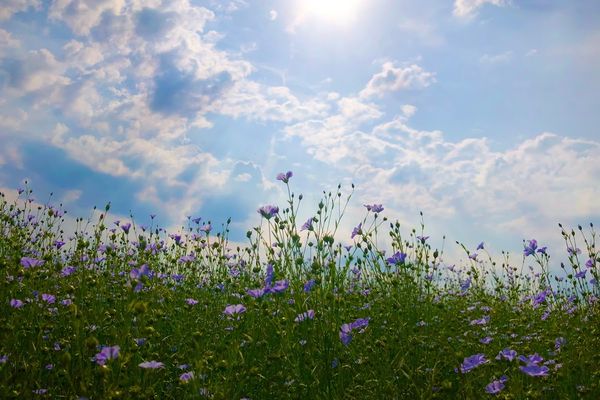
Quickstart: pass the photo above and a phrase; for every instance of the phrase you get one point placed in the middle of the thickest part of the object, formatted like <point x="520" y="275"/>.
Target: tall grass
<point x="126" y="311"/>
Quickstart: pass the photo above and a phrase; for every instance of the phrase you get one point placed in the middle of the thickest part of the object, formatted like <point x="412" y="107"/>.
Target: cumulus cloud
<point x="10" y="7"/>
<point x="393" y="78"/>
<point x="272" y="15"/>
<point x="469" y="8"/>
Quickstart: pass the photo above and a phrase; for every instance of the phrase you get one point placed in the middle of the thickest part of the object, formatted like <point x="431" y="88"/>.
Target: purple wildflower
<point x="346" y="334"/>
<point x="482" y="321"/>
<point x="559" y="342"/>
<point x="542" y="250"/>
<point x="107" y="353"/>
<point x="191" y="302"/>
<point x="397" y="258"/>
<point x="176" y="237"/>
<point x="589" y="263"/>
<point x="285" y="177"/>
<point x="310" y="314"/>
<point x="278" y="287"/>
<point x="136" y="273"/>
<point x="186" y="376"/>
<point x="58" y="244"/>
<point x="480" y="246"/>
<point x="486" y="340"/>
<point x="581" y="274"/>
<point x="473" y="256"/>
<point x="573" y="251"/>
<point x="16" y="303"/>
<point x="530" y="247"/>
<point x="234" y="309"/>
<point x="534" y="370"/>
<point x="66" y="271"/>
<point x="356" y="231"/>
<point x="495" y="387"/>
<point x="472" y="362"/>
<point x="3" y="359"/>
<point x="126" y="227"/>
<point x="48" y="298"/>
<point x="376" y="208"/>
<point x="206" y="228"/>
<point x="309" y="285"/>
<point x="187" y="258"/>
<point x="256" y="293"/>
<point x="268" y="211"/>
<point x="29" y="262"/>
<point x="532" y="359"/>
<point x="360" y="323"/>
<point x="151" y="365"/>
<point x="465" y="285"/>
<point x="308" y="225"/>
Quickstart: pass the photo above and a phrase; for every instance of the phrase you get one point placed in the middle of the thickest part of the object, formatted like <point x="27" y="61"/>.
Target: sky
<point x="482" y="114"/>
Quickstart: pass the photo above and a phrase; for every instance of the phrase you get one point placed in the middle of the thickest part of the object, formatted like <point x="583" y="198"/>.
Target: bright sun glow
<point x="337" y="11"/>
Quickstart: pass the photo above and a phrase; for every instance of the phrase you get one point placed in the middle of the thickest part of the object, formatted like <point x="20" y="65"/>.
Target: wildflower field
<point x="125" y="311"/>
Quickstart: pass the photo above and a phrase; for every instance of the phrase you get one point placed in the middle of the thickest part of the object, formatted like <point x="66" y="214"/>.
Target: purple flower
<point x="16" y="303"/>
<point x="533" y="359"/>
<point x="186" y="376"/>
<point x="581" y="274"/>
<point x="376" y="208"/>
<point x="28" y="262"/>
<point x="151" y="365"/>
<point x="573" y="251"/>
<point x="309" y="285"/>
<point x="589" y="263"/>
<point x="534" y="370"/>
<point x="540" y="298"/>
<point x="346" y="334"/>
<point x="530" y="247"/>
<point x="40" y="391"/>
<point x="495" y="387"/>
<point x="176" y="237"/>
<point x="486" y="340"/>
<point x="278" y="287"/>
<point x="559" y="342"/>
<point x="397" y="258"/>
<point x="473" y="256"/>
<point x="191" y="302"/>
<point x="187" y="258"/>
<point x="422" y="239"/>
<point x="356" y="231"/>
<point x="256" y="293"/>
<point x="268" y="211"/>
<point x="66" y="271"/>
<point x="58" y="244"/>
<point x="107" y="353"/>
<point x="308" y="225"/>
<point x="206" y="228"/>
<point x="48" y="298"/>
<point x="3" y="359"/>
<point x="482" y="321"/>
<point x="360" y="323"/>
<point x="126" y="227"/>
<point x="465" y="285"/>
<point x="310" y="314"/>
<point x="472" y="362"/>
<point x="542" y="250"/>
<point x="507" y="354"/>
<point x="480" y="246"/>
<point x="234" y="309"/>
<point x="136" y="273"/>
<point x="284" y="177"/>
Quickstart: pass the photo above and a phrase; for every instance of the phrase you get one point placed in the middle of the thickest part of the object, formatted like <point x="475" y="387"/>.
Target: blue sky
<point x="483" y="114"/>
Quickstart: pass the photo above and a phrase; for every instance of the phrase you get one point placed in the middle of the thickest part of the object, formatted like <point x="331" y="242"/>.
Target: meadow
<point x="126" y="311"/>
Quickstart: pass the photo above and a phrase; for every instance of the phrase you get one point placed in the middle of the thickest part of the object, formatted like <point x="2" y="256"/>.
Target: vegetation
<point x="126" y="311"/>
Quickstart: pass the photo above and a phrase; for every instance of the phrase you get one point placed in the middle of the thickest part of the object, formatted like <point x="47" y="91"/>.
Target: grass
<point x="383" y="327"/>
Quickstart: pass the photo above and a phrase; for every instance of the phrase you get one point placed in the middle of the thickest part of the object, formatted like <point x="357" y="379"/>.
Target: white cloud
<point x="408" y="110"/>
<point x="83" y="15"/>
<point x="469" y="8"/>
<point x="394" y="78"/>
<point x="7" y="40"/>
<point x="501" y="58"/>
<point x="10" y="7"/>
<point x="272" y="15"/>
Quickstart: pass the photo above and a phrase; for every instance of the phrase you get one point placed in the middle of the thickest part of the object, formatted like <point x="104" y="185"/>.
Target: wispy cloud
<point x="469" y="8"/>
<point x="491" y="59"/>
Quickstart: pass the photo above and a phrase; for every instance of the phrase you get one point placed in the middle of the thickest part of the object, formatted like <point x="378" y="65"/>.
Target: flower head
<point x="507" y="354"/>
<point x="126" y="227"/>
<point x="234" y="309"/>
<point x="309" y="285"/>
<point x="376" y="208"/>
<point x="186" y="377"/>
<point x="151" y="365"/>
<point x="534" y="370"/>
<point x="16" y="303"/>
<point x="472" y="362"/>
<point x="397" y="258"/>
<point x="191" y="302"/>
<point x="310" y="314"/>
<point x="48" y="298"/>
<point x="285" y="177"/>
<point x="107" y="353"/>
<point x="268" y="211"/>
<point x="29" y="262"/>
<point x="496" y="386"/>
<point x="308" y="225"/>
<point x="480" y="246"/>
<point x="530" y="247"/>
<point x="356" y="231"/>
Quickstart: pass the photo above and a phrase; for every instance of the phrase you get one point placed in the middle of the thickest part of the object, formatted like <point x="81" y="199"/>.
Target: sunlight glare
<point x="337" y="11"/>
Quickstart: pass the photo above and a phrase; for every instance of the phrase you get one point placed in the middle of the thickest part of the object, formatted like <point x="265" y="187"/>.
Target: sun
<point x="335" y="11"/>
